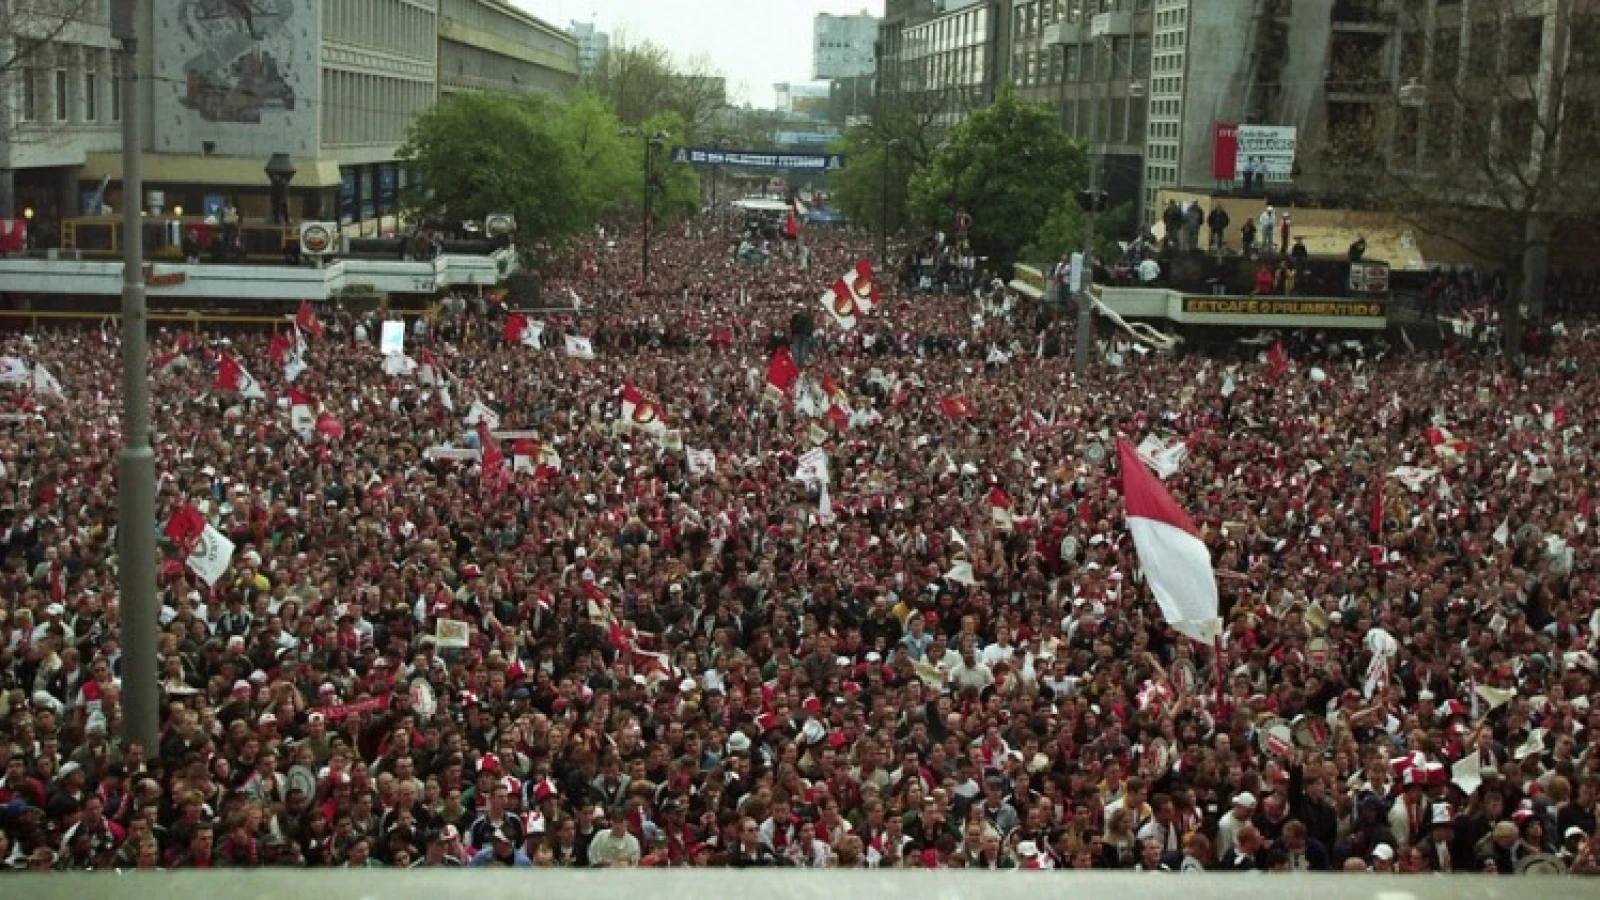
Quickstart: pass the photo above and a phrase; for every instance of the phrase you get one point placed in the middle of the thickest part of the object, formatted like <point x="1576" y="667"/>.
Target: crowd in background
<point x="948" y="661"/>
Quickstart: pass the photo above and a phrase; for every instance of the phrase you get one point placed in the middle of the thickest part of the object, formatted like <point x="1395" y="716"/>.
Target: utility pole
<point x="136" y="464"/>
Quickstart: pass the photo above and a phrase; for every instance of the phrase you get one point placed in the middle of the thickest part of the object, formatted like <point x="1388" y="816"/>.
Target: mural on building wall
<point x="231" y="67"/>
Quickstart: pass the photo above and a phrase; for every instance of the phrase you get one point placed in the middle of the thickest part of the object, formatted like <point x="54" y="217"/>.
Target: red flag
<point x="232" y="378"/>
<point x="516" y="324"/>
<point x="305" y="319"/>
<point x="782" y="372"/>
<point x="185" y="527"/>
<point x="329" y="426"/>
<point x="278" y="348"/>
<point x="956" y="407"/>
<point x="791" y="226"/>
<point x="998" y="498"/>
<point x="1277" y="361"/>
<point x="494" y="460"/>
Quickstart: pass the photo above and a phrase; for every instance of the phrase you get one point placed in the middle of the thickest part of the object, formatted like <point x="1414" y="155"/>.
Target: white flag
<point x="398" y="364"/>
<point x="303" y="419"/>
<point x="1228" y="384"/>
<point x="577" y="304"/>
<point x="997" y="356"/>
<point x="480" y="412"/>
<point x="961" y="573"/>
<point x="1413" y="477"/>
<point x="1162" y="458"/>
<point x="579" y="347"/>
<point x="701" y="462"/>
<point x="46" y="384"/>
<point x="13" y="370"/>
<point x="813" y="467"/>
<point x="444" y="395"/>
<point x="211" y="555"/>
<point x="825" y="507"/>
<point x="533" y="335"/>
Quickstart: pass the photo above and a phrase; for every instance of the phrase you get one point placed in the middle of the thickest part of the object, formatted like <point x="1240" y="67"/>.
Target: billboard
<point x="242" y="75"/>
<point x="1233" y="147"/>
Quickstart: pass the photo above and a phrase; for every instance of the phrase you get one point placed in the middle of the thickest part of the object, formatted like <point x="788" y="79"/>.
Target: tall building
<point x="843" y="46"/>
<point x="592" y="44"/>
<point x="334" y="85"/>
<point x="947" y="62"/>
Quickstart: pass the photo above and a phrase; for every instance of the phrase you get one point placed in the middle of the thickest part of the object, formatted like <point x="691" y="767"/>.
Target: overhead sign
<point x="1279" y="312"/>
<point x="1270" y="147"/>
<point x="756" y="159"/>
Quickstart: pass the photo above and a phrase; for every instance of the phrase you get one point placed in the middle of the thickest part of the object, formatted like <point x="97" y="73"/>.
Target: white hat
<point x="55" y="609"/>
<point x="738" y="742"/>
<point x="1028" y="849"/>
<point x="1245" y="799"/>
<point x="1443" y="814"/>
<point x="1383" y="852"/>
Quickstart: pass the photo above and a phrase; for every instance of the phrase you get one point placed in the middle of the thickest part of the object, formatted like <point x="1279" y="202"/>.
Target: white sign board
<point x="1272" y="146"/>
<point x="393" y="338"/>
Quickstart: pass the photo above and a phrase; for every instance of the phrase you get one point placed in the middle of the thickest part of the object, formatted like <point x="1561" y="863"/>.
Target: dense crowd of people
<point x="641" y="640"/>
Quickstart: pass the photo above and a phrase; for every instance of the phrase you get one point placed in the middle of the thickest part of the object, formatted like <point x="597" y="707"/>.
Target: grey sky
<point x="755" y="43"/>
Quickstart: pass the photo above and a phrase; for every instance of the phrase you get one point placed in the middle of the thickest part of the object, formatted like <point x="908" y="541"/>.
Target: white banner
<point x="393" y="338"/>
<point x="1271" y="147"/>
<point x="211" y="554"/>
<point x="304" y="421"/>
<point x="533" y="334"/>
<point x="1163" y="458"/>
<point x="13" y="370"/>
<point x="398" y="364"/>
<point x="702" y="462"/>
<point x="455" y="454"/>
<point x="452" y="634"/>
<point x="46" y="384"/>
<point x="579" y="347"/>
<point x="480" y="412"/>
<point x="813" y="467"/>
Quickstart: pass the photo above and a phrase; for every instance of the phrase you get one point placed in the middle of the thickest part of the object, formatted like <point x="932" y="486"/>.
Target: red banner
<point x="345" y="710"/>
<point x="13" y="235"/>
<point x="1224" y="150"/>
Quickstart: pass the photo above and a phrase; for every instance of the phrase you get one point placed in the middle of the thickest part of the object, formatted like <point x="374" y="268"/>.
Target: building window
<point x="29" y="88"/>
<point x="91" y="90"/>
<point x="63" y="98"/>
<point x="116" y="98"/>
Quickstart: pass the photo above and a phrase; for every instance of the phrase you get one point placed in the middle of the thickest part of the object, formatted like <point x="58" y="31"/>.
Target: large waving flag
<point x="864" y="286"/>
<point x="1176" y="563"/>
<point x="840" y="302"/>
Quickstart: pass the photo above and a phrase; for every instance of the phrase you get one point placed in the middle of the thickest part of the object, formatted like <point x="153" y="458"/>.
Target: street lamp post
<point x="1089" y="202"/>
<point x="136" y="467"/>
<point x="652" y="143"/>
<point x="889" y="150"/>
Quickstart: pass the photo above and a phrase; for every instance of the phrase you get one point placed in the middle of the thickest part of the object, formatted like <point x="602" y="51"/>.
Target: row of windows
<point x="1166" y="108"/>
<point x="67" y="96"/>
<point x="1167" y="84"/>
<point x="1166" y="130"/>
<point x="1170" y="40"/>
<point x="394" y="26"/>
<point x="369" y="109"/>
<point x="1172" y="18"/>
<point x="967" y="29"/>
<point x="500" y="19"/>
<point x="1168" y="62"/>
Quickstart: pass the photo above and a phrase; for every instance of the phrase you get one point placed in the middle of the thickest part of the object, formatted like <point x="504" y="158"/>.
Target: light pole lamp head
<point x="280" y="168"/>
<point x="1413" y="94"/>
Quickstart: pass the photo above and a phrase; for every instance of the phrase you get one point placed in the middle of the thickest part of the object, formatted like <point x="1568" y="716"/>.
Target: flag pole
<point x="1216" y="646"/>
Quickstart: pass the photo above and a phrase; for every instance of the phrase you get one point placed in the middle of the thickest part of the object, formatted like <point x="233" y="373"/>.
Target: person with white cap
<point x="1435" y="847"/>
<point x="1382" y="860"/>
<point x="1229" y="824"/>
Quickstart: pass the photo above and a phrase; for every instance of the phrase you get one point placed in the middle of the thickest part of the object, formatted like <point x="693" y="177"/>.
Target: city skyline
<point x="774" y="38"/>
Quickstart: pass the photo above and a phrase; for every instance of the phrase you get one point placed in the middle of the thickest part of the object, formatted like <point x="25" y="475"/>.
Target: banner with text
<point x="756" y="159"/>
<point x="1271" y="147"/>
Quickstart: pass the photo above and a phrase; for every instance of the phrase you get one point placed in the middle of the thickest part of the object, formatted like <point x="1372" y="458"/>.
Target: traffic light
<point x="1092" y="201"/>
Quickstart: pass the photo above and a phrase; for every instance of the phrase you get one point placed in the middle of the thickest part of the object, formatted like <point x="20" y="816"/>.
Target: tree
<point x="485" y="153"/>
<point x="1008" y="166"/>
<point x="638" y="81"/>
<point x="883" y="154"/>
<point x="1061" y="234"/>
<point x="611" y="165"/>
<point x="1491" y="138"/>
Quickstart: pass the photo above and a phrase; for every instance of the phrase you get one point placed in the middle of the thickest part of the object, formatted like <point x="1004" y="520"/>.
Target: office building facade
<point x="843" y="46"/>
<point x="592" y="45"/>
<point x="332" y="84"/>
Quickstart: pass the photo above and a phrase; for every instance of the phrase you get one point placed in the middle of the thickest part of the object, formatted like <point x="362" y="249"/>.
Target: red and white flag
<point x="1000" y="509"/>
<point x="303" y="410"/>
<point x="305" y="319"/>
<point x="233" y="378"/>
<point x="185" y="527"/>
<point x="839" y="410"/>
<point x="1443" y="442"/>
<point x="1277" y="361"/>
<point x="840" y="302"/>
<point x="864" y="287"/>
<point x="1176" y="563"/>
<point x="782" y="373"/>
<point x="45" y="384"/>
<point x="642" y="412"/>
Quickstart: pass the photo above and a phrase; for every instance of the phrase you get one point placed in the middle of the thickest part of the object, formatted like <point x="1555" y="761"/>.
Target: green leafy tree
<point x="1008" y="166"/>
<point x="641" y="80"/>
<point x="610" y="164"/>
<point x="677" y="186"/>
<point x="1061" y="233"/>
<point x="884" y="154"/>
<point x="484" y="153"/>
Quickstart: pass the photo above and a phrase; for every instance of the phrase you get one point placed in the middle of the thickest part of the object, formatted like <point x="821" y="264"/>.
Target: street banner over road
<point x="758" y="159"/>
